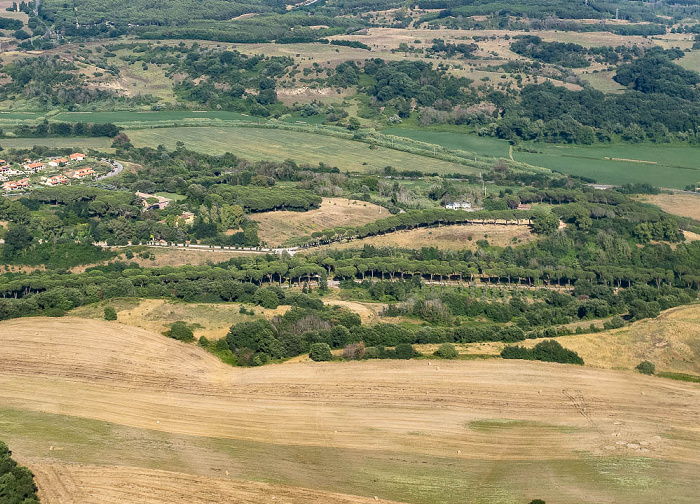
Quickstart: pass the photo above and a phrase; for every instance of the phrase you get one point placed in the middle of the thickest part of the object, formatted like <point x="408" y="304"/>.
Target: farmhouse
<point x="458" y="205"/>
<point x="34" y="167"/>
<point x="186" y="218"/>
<point x="524" y="206"/>
<point x="56" y="180"/>
<point x="160" y="204"/>
<point x="83" y="173"/>
<point x="77" y="156"/>
<point x="16" y="185"/>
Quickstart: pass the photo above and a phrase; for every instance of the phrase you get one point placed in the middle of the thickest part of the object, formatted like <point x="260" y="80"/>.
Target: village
<point x="54" y="171"/>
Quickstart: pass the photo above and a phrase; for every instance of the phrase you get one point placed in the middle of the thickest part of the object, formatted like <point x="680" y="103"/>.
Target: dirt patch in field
<point x="88" y="484"/>
<point x="306" y="94"/>
<point x="277" y="227"/>
<point x="448" y="237"/>
<point x="368" y="312"/>
<point x="685" y="205"/>
<point x="212" y="320"/>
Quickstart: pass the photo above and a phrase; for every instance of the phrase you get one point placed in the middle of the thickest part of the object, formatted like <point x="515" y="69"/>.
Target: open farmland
<point x="280" y="145"/>
<point x="447" y="237"/>
<point x="112" y="395"/>
<point x="685" y="205"/>
<point x="278" y="227"/>
<point x="662" y="166"/>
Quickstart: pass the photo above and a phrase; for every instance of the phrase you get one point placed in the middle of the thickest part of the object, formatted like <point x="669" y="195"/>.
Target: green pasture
<point x="483" y="146"/>
<point x="302" y="147"/>
<point x="673" y="166"/>
<point x="402" y="476"/>
<point x="77" y="143"/>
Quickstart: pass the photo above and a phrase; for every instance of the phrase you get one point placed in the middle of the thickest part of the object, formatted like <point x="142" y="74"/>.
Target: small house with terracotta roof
<point x="77" y="156"/>
<point x="34" y="167"/>
<point x="56" y="180"/>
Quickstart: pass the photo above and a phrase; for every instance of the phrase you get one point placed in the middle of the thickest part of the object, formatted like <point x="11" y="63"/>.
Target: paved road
<point x="117" y="168"/>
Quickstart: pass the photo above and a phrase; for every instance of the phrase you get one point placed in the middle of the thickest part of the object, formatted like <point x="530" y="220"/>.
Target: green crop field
<point x="664" y="166"/>
<point x="279" y="145"/>
<point x="484" y="146"/>
<point x="127" y="117"/>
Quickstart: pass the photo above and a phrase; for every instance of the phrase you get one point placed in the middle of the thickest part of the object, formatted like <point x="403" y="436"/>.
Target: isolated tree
<point x="404" y="351"/>
<point x="446" y="351"/>
<point x="180" y="331"/>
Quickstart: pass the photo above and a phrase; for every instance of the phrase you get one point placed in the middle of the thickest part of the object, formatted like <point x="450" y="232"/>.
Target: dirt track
<point x="459" y="412"/>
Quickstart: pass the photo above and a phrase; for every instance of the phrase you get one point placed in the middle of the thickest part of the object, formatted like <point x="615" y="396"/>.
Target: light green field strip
<point x="280" y="145"/>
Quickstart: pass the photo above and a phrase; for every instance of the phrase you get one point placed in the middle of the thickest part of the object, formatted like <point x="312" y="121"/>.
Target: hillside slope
<point x="76" y="391"/>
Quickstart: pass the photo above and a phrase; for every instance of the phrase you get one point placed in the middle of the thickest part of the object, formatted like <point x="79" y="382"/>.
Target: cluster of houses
<point x="31" y="167"/>
<point x="467" y="206"/>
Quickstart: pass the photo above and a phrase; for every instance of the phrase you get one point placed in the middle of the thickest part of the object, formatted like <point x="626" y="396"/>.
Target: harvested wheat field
<point x="78" y="393"/>
<point x="685" y="205"/>
<point x="448" y="237"/>
<point x="671" y="341"/>
<point x="278" y="227"/>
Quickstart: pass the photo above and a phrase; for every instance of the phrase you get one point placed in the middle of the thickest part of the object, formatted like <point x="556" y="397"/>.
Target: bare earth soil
<point x="126" y="404"/>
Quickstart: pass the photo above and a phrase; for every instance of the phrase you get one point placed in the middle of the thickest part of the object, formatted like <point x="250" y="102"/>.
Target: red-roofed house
<point x="77" y="156"/>
<point x="16" y="185"/>
<point x="34" y="167"/>
<point x="56" y="180"/>
<point x="58" y="162"/>
<point x="83" y="172"/>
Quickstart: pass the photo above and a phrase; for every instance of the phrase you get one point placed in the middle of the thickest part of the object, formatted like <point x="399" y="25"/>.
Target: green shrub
<point x="267" y="298"/>
<point x="179" y="331"/>
<point x="614" y="323"/>
<point x="547" y="351"/>
<point x="320" y="352"/>
<point x="372" y="353"/>
<point x="55" y="312"/>
<point x="204" y="342"/>
<point x="110" y="313"/>
<point x="404" y="351"/>
<point x="446" y="351"/>
<point x="646" y="367"/>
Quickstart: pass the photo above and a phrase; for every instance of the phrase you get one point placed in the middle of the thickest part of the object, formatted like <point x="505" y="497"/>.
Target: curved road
<point x="117" y="168"/>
